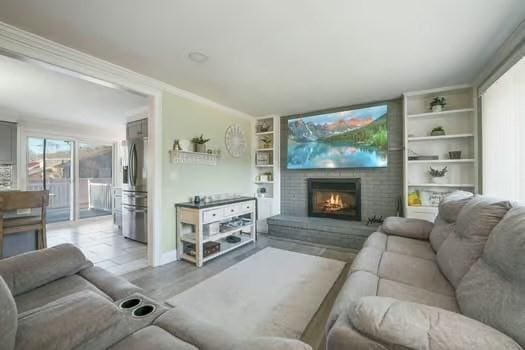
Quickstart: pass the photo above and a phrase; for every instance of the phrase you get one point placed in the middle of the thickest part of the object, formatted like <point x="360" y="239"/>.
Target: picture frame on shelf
<point x="263" y="158"/>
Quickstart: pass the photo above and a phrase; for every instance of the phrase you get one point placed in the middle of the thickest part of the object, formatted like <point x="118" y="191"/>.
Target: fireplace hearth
<point x="335" y="198"/>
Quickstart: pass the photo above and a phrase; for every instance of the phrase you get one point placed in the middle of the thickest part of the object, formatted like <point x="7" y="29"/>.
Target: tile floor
<point x="101" y="243"/>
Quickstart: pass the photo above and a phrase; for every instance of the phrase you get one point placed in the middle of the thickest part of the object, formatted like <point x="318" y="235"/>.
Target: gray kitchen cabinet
<point x="137" y="128"/>
<point x="144" y="126"/>
<point x="7" y="143"/>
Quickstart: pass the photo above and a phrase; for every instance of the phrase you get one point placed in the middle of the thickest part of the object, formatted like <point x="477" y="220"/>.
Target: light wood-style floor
<point x="107" y="248"/>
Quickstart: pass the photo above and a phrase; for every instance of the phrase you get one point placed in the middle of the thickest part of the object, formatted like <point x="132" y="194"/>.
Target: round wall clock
<point x="235" y="141"/>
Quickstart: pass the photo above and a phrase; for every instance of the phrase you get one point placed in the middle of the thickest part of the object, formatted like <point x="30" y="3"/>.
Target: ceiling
<point x="29" y="91"/>
<point x="282" y="57"/>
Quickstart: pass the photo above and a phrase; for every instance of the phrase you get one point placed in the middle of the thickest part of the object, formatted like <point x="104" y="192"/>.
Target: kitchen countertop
<point x="204" y="205"/>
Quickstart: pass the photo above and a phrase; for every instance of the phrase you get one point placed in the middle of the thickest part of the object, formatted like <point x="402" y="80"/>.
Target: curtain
<point x="503" y="135"/>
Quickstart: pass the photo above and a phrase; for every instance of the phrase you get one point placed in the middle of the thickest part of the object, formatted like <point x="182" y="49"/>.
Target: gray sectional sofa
<point x="56" y="299"/>
<point x="458" y="283"/>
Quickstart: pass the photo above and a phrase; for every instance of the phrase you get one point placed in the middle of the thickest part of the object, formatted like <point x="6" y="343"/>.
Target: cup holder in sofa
<point x="143" y="310"/>
<point x="130" y="303"/>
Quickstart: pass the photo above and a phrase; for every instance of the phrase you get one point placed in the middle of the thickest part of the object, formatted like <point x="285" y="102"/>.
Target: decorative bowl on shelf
<point x="439" y="179"/>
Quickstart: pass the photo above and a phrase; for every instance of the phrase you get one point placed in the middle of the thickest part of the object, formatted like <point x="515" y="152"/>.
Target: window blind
<point x="503" y="135"/>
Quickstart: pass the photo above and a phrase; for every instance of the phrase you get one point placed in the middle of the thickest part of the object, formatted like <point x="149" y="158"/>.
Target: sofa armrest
<point x="397" y="323"/>
<point x="28" y="271"/>
<point x="206" y="336"/>
<point x="112" y="285"/>
<point x="407" y="227"/>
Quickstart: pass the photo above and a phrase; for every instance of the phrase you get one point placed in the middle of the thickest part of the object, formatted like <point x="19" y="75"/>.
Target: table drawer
<point x="212" y="215"/>
<point x="246" y="207"/>
<point x="232" y="210"/>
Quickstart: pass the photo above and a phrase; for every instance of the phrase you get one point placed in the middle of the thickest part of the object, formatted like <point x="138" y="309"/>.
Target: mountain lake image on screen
<point x="355" y="138"/>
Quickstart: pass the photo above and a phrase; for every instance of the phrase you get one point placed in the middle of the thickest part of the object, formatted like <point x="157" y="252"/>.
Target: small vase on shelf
<point x="200" y="147"/>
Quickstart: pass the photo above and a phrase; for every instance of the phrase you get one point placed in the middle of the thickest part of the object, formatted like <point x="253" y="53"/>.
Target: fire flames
<point x="334" y="203"/>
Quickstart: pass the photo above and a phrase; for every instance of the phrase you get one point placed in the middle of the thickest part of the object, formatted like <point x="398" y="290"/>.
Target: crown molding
<point x="509" y="53"/>
<point x="21" y="44"/>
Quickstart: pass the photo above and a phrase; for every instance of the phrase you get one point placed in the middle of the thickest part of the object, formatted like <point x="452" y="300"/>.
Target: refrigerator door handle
<point x="133" y="164"/>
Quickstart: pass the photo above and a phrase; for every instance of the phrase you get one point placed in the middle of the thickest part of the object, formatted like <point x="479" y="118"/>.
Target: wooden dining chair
<point x="15" y="200"/>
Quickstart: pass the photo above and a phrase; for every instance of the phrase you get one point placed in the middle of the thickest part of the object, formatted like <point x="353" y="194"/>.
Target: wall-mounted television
<point x="356" y="138"/>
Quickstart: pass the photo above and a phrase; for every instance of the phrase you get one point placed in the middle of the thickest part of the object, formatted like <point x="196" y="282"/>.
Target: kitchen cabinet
<point x="137" y="128"/>
<point x="8" y="133"/>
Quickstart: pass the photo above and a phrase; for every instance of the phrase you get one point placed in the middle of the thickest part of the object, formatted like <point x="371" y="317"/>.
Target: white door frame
<point x="26" y="46"/>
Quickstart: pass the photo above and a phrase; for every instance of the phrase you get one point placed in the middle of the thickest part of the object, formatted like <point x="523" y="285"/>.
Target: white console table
<point x="193" y="219"/>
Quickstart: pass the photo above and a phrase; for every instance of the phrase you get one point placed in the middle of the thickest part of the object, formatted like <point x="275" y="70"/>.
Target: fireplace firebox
<point x="335" y="198"/>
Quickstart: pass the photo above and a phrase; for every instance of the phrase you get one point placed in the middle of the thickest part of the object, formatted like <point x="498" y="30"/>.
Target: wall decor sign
<point x="235" y="141"/>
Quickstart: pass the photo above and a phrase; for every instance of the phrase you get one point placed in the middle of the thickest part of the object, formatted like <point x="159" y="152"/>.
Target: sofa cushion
<point x="445" y="222"/>
<point x="416" y="272"/>
<point x="464" y="246"/>
<point x="67" y="323"/>
<point x="442" y="229"/>
<point x="402" y="291"/>
<point x="410" y="247"/>
<point x="401" y="245"/>
<point x="493" y="291"/>
<point x="376" y="240"/>
<point x="359" y="284"/>
<point x="53" y="291"/>
<point x="31" y="270"/>
<point x="152" y="337"/>
<point x="452" y="204"/>
<point x="367" y="259"/>
<point x="8" y="317"/>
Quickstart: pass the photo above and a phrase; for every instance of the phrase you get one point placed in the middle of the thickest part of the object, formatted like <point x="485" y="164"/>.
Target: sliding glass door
<point x="95" y="164"/>
<point x="50" y="167"/>
<point x="61" y="166"/>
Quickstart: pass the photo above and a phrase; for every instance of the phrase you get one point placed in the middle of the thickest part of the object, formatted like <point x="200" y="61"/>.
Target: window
<point x="503" y="130"/>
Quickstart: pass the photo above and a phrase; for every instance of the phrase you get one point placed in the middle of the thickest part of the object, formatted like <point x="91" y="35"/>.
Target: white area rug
<point x="272" y="293"/>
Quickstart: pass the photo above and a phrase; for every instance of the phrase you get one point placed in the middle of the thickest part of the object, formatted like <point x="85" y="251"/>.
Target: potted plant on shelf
<point x="438" y="176"/>
<point x="437" y="131"/>
<point x="199" y="143"/>
<point x="438" y="103"/>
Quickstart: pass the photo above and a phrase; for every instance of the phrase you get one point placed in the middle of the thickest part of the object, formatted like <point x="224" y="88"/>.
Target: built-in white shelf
<point x="459" y="120"/>
<point x="442" y="113"/>
<point x="267" y="192"/>
<point x="442" y="161"/>
<point x="441" y="185"/>
<point x="442" y="137"/>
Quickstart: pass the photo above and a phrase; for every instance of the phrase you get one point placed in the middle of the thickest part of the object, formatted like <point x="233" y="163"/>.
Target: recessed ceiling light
<point x="198" y="57"/>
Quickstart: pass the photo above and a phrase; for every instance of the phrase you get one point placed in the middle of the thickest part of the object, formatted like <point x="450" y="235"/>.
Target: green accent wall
<point x="184" y="119"/>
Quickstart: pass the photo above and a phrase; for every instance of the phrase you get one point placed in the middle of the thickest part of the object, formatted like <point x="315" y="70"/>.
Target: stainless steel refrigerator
<point x="135" y="187"/>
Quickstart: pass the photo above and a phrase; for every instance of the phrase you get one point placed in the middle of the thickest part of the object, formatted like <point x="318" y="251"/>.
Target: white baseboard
<point x="168" y="257"/>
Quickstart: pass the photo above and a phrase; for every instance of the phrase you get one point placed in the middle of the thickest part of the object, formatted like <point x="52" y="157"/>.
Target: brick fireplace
<point x="337" y="198"/>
